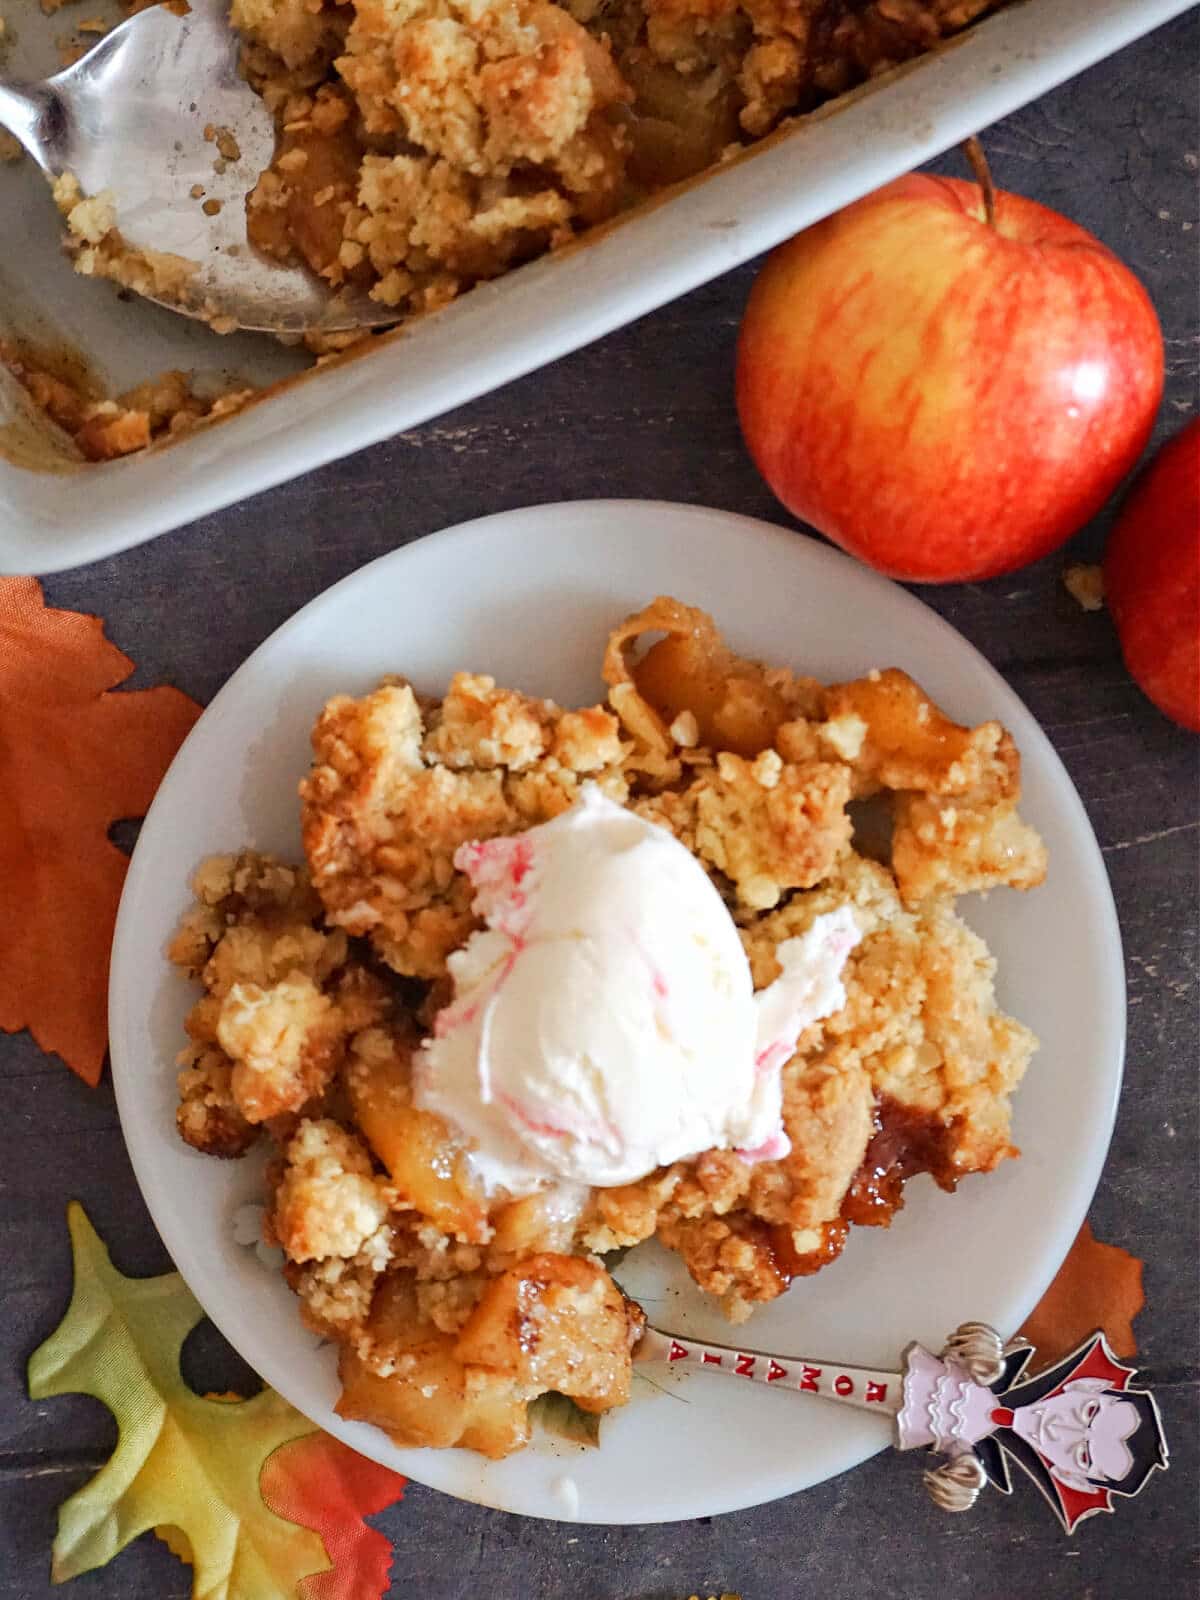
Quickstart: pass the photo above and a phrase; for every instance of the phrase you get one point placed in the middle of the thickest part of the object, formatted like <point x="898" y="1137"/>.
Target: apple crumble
<point x="427" y="144"/>
<point x="329" y="988"/>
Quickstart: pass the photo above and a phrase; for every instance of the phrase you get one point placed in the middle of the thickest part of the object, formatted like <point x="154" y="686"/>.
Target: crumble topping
<point x="390" y="799"/>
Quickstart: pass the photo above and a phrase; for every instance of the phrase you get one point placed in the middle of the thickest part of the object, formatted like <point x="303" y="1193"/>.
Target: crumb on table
<point x="1085" y="584"/>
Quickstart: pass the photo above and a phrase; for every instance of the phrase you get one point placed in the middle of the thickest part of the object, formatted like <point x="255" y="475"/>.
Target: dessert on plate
<point x="685" y="964"/>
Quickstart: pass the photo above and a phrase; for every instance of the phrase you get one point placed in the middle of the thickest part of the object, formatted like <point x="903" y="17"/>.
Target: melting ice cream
<point x="604" y="1021"/>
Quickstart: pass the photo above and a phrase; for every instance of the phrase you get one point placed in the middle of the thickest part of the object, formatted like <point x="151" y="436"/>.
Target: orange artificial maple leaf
<point x="1098" y="1286"/>
<point x="322" y="1484"/>
<point x="74" y="759"/>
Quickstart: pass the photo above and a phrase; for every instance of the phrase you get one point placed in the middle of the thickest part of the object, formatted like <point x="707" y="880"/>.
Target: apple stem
<point x="977" y="161"/>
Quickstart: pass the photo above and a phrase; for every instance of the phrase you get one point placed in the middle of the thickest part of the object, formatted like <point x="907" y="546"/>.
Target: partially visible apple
<point x="945" y="396"/>
<point x="1152" y="579"/>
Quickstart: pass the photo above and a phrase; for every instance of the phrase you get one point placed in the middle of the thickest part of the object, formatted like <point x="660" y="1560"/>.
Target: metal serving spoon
<point x="130" y="117"/>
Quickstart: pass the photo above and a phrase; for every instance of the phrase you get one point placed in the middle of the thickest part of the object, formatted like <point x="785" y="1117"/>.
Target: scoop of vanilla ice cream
<point x="604" y="1022"/>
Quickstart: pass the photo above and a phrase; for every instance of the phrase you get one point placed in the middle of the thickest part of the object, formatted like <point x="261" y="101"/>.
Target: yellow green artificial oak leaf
<point x="186" y="1466"/>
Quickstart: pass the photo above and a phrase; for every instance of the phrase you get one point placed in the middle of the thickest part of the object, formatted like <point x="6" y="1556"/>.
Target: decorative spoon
<point x="130" y="118"/>
<point x="1079" y="1429"/>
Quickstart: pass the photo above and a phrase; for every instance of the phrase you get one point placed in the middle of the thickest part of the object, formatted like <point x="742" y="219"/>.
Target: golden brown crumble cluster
<point x="105" y="426"/>
<point x="428" y="144"/>
<point x="394" y="792"/>
<point x="453" y="1310"/>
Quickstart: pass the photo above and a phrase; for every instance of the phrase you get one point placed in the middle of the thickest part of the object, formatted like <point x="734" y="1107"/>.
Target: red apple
<point x="1152" y="579"/>
<point x="944" y="396"/>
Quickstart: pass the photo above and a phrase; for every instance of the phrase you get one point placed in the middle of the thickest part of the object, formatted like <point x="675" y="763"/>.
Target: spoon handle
<point x="33" y="114"/>
<point x="1081" y="1429"/>
<point x="864" y="1387"/>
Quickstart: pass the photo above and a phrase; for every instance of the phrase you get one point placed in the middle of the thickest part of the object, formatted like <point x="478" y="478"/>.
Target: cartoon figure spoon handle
<point x="1079" y="1429"/>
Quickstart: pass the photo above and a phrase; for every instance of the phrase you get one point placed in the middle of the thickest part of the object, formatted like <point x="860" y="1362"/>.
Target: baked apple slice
<point x="427" y="1168"/>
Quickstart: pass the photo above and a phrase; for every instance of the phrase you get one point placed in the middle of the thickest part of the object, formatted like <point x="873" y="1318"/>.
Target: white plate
<point x="529" y="596"/>
<point x="50" y="520"/>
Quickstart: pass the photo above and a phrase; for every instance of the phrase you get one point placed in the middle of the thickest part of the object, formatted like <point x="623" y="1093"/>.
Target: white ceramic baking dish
<point x="55" y="513"/>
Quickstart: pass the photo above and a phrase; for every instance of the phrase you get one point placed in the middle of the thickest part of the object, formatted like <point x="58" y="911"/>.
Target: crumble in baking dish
<point x="426" y="145"/>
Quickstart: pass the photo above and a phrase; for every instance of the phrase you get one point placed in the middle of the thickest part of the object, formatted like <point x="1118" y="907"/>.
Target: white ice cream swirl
<point x="604" y="1022"/>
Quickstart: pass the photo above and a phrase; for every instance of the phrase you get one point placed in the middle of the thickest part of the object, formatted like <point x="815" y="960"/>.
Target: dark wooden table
<point x="648" y="412"/>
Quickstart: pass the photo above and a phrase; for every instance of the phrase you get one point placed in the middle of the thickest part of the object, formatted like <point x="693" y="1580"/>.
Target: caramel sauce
<point x="787" y="1260"/>
<point x="905" y="1142"/>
